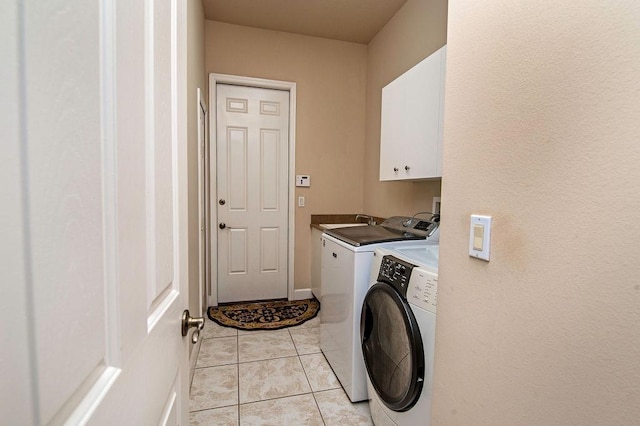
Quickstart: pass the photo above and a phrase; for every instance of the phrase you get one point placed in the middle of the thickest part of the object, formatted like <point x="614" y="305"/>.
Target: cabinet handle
<point x="407" y="168"/>
<point x="335" y="255"/>
<point x="395" y="169"/>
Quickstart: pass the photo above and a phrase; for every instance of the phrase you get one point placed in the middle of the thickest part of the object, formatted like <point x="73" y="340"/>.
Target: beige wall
<point x="541" y="132"/>
<point x="330" y="77"/>
<point x="416" y="31"/>
<point x="195" y="80"/>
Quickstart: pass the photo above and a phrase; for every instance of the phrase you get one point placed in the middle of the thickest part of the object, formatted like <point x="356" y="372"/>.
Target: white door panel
<point x="103" y="213"/>
<point x="252" y="168"/>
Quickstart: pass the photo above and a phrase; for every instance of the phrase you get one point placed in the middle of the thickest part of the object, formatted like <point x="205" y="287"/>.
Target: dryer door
<point x="392" y="347"/>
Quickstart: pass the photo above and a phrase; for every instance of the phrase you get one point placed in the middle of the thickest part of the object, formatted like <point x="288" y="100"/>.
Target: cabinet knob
<point x="395" y="169"/>
<point x="407" y="168"/>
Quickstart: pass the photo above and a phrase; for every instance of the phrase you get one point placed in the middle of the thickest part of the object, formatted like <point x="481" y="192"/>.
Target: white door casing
<point x="203" y="203"/>
<point x="252" y="141"/>
<point x="100" y="210"/>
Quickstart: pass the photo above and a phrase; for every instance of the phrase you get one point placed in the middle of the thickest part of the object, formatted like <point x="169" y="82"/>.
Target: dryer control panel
<point x="423" y="289"/>
<point x="396" y="272"/>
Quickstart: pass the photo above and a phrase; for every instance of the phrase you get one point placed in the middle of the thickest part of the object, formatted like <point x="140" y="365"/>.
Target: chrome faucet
<point x="370" y="220"/>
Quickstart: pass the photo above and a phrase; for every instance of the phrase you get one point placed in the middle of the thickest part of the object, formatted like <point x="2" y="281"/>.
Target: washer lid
<point x="363" y="235"/>
<point x="396" y="228"/>
<point x="421" y="255"/>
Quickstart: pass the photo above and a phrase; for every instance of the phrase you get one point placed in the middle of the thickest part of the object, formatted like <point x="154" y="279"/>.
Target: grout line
<point x="217" y="365"/>
<point x="213" y="408"/>
<point x="318" y="406"/>
<point x="217" y="337"/>
<point x="278" y="357"/>
<point x="294" y="343"/>
<point x="306" y="376"/>
<point x="238" y="371"/>
<point x="277" y="397"/>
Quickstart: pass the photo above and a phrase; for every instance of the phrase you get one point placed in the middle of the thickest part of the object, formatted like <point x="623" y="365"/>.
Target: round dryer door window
<point x="392" y="347"/>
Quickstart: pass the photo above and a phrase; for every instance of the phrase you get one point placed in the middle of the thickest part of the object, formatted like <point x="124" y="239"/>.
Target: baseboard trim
<point x="302" y="293"/>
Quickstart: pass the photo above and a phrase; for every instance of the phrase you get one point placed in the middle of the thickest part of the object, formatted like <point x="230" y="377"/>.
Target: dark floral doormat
<point x="269" y="315"/>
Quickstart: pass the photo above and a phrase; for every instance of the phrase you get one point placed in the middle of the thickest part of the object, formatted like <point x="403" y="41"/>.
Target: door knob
<point x="221" y="201"/>
<point x="188" y="321"/>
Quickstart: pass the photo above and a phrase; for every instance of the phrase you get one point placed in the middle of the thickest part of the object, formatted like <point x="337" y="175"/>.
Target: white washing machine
<point x="347" y="254"/>
<point x="398" y="323"/>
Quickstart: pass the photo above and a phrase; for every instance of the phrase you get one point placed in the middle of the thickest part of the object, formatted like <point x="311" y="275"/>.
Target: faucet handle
<point x="370" y="220"/>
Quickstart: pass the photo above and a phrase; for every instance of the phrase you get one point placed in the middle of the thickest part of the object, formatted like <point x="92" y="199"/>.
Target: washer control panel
<point x="423" y="289"/>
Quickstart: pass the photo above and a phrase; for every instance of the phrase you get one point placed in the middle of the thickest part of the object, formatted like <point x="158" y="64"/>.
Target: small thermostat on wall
<point x="303" y="180"/>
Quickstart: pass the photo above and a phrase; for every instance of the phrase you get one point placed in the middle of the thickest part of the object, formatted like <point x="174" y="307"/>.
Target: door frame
<point x="204" y="269"/>
<point x="260" y="83"/>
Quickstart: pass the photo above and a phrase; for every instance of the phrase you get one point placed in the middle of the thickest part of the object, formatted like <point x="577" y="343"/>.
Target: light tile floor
<point x="268" y="378"/>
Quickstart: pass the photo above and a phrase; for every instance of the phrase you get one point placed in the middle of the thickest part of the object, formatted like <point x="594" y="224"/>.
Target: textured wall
<point x="542" y="125"/>
<point x="330" y="77"/>
<point x="416" y="31"/>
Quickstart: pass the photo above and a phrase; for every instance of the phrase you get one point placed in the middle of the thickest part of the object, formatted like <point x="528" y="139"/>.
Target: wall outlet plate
<point x="435" y="206"/>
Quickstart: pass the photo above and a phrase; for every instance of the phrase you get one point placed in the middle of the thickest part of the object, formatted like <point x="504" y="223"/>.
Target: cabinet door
<point x="392" y="129"/>
<point x="411" y="124"/>
<point x="422" y="118"/>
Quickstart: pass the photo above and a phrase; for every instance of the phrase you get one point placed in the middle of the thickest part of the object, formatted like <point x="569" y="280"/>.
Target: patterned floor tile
<point x="214" y="387"/>
<point x="319" y="372"/>
<point x="266" y="345"/>
<point x="300" y="410"/>
<point x="218" y="351"/>
<point x="306" y="340"/>
<point x="212" y="329"/>
<point x="273" y="378"/>
<point x="337" y="410"/>
<point x="226" y="416"/>
<point x="313" y="322"/>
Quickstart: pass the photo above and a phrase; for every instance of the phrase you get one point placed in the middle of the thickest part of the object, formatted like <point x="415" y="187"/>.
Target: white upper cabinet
<point x="412" y="121"/>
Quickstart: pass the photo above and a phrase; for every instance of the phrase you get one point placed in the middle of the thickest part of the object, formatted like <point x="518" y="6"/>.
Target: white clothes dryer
<point x="397" y="334"/>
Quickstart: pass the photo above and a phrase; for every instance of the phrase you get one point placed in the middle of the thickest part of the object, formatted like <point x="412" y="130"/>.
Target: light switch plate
<point x="480" y="237"/>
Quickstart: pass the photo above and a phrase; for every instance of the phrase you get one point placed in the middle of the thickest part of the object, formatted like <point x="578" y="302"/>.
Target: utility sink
<point x="340" y="225"/>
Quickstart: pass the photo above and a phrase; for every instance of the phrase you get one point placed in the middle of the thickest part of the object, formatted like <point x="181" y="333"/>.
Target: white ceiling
<point x="349" y="20"/>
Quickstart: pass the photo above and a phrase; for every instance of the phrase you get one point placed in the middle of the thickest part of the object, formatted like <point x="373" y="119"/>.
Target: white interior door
<point x="98" y="204"/>
<point x="252" y="168"/>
